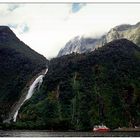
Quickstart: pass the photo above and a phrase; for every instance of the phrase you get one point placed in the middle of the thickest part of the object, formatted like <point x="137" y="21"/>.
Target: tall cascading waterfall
<point x="37" y="82"/>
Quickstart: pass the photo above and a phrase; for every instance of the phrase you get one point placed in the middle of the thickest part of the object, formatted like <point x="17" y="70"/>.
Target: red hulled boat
<point x="100" y="128"/>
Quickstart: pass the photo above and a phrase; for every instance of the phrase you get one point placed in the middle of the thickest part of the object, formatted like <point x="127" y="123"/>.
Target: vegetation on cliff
<point x="81" y="90"/>
<point x="18" y="64"/>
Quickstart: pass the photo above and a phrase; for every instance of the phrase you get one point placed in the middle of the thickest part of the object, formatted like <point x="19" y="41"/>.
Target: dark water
<point x="27" y="133"/>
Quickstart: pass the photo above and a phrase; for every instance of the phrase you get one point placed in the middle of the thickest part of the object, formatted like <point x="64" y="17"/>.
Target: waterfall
<point x="37" y="82"/>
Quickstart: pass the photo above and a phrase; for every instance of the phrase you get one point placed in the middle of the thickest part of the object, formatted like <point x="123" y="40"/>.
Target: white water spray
<point x="37" y="82"/>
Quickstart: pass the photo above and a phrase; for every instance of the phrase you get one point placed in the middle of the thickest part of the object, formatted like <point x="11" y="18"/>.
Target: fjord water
<point x="37" y="82"/>
<point x="43" y="133"/>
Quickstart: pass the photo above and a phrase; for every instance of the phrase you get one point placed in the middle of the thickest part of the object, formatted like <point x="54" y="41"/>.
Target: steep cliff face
<point x="130" y="32"/>
<point x="18" y="64"/>
<point x="78" y="45"/>
<point x="81" y="90"/>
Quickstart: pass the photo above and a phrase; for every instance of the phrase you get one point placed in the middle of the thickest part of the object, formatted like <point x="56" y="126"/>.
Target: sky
<point x="46" y="28"/>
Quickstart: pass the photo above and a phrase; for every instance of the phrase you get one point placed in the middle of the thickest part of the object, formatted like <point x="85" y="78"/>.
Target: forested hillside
<point x="18" y="64"/>
<point x="81" y="90"/>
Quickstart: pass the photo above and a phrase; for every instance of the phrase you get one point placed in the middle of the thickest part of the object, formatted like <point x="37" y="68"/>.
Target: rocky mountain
<point x="78" y="45"/>
<point x="18" y="65"/>
<point x="83" y="90"/>
<point x="82" y="44"/>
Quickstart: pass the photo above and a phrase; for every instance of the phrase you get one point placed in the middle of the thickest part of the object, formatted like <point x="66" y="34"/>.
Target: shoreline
<point x="127" y="130"/>
<point x="43" y="130"/>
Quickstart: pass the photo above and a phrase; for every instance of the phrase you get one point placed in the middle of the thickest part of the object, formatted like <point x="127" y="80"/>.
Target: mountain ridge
<point x="18" y="64"/>
<point x="130" y="32"/>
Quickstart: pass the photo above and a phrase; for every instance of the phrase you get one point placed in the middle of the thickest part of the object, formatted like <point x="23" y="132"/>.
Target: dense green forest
<point x="81" y="90"/>
<point x="18" y="65"/>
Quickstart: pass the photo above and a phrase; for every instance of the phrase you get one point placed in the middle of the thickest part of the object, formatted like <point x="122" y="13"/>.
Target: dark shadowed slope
<point x="18" y="64"/>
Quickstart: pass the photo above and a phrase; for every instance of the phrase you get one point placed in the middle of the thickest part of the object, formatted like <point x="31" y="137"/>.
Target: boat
<point x="100" y="128"/>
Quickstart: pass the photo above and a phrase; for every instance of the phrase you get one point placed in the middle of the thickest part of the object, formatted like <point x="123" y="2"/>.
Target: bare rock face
<point x="78" y="45"/>
<point x="130" y="32"/>
<point x="83" y="45"/>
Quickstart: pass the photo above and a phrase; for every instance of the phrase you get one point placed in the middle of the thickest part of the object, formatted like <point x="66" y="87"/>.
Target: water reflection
<point x="26" y="133"/>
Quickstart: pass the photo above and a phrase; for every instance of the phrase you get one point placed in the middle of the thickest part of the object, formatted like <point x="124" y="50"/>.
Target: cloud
<point x="3" y="10"/>
<point x="77" y="6"/>
<point x="47" y="27"/>
<point x="23" y="28"/>
<point x="12" y="25"/>
<point x="12" y="7"/>
<point x="7" y="9"/>
<point x="20" y="28"/>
